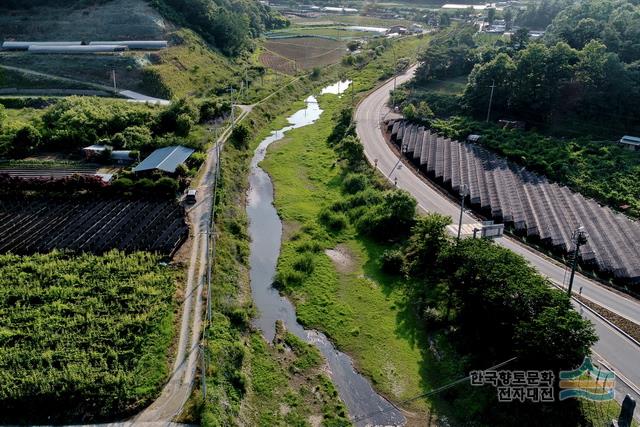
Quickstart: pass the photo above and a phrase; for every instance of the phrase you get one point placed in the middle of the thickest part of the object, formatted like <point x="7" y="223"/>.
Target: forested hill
<point x="229" y="25"/>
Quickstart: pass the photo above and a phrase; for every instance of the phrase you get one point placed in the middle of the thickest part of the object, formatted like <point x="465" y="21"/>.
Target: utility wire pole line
<point x="493" y="86"/>
<point x="464" y="190"/>
<point x="113" y="75"/>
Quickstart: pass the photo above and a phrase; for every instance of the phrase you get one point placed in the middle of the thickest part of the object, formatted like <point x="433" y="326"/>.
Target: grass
<point x="359" y="307"/>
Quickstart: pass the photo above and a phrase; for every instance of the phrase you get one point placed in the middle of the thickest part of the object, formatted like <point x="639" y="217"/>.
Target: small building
<point x="123" y="157"/>
<point x="135" y="44"/>
<point x="74" y="49"/>
<point x="397" y="29"/>
<point x="631" y="142"/>
<point x="96" y="151"/>
<point x="165" y="159"/>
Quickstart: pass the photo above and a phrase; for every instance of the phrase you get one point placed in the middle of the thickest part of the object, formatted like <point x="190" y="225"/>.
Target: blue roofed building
<point x="164" y="159"/>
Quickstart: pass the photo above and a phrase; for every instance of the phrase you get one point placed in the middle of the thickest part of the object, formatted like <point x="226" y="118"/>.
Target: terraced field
<point x="90" y="224"/>
<point x="304" y="52"/>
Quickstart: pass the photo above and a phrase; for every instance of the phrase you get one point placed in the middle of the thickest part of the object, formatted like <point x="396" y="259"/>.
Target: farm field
<point x="304" y="52"/>
<point x="335" y="32"/>
<point x="95" y="225"/>
<point x="82" y="335"/>
<point x="46" y="168"/>
<point x="92" y="69"/>
<point x="113" y="20"/>
<point x="369" y="21"/>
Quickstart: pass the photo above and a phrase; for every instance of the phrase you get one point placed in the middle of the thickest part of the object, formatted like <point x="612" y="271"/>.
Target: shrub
<point x="166" y="185"/>
<point x="355" y="182"/>
<point x="392" y="261"/>
<point x="334" y="221"/>
<point x="240" y="137"/>
<point x="122" y="185"/>
<point x="304" y="263"/>
<point x="288" y="279"/>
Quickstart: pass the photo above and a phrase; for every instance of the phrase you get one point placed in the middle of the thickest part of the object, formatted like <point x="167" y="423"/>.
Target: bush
<point x="355" y="182"/>
<point x="392" y="261"/>
<point x="315" y="74"/>
<point x="240" y="137"/>
<point x="166" y="185"/>
<point x="334" y="221"/>
<point x="304" y="263"/>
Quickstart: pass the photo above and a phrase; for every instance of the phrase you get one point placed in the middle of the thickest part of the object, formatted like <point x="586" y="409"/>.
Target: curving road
<point x="615" y="350"/>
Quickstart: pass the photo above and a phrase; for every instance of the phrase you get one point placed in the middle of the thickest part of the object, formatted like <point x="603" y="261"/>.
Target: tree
<point x="499" y="71"/>
<point x="240" y="137"/>
<point x="25" y="141"/>
<point x="184" y="123"/>
<point x="491" y="15"/>
<point x="351" y="150"/>
<point x="519" y="38"/>
<point x="508" y="18"/>
<point x="429" y="238"/>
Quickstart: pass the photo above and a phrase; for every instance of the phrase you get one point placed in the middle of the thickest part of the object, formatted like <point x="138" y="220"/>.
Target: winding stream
<point x="365" y="406"/>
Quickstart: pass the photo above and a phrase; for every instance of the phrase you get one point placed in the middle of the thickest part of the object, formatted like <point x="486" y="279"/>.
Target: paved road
<point x="129" y="94"/>
<point x="619" y="353"/>
<point x="178" y="389"/>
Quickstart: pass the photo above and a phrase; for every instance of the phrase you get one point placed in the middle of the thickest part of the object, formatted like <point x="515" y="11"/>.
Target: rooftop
<point x="165" y="159"/>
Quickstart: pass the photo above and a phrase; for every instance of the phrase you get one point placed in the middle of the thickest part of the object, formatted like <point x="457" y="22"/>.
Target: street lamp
<point x="579" y="237"/>
<point x="464" y="191"/>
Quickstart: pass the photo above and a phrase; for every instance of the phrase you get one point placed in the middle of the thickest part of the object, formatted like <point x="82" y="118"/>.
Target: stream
<point x="366" y="407"/>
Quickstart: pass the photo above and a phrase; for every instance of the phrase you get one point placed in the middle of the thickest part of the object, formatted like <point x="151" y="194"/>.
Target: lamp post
<point x="579" y="237"/>
<point x="464" y="191"/>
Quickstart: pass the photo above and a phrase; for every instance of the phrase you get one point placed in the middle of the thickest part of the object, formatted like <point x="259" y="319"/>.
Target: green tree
<point x="498" y="71"/>
<point x="491" y="15"/>
<point x="26" y="140"/>
<point x="429" y="238"/>
<point x="240" y="137"/>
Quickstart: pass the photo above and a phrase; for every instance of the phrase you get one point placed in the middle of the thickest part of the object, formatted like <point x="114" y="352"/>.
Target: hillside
<point x="198" y="61"/>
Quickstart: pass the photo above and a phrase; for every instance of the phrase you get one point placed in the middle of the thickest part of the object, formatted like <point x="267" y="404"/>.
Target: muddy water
<point x="365" y="406"/>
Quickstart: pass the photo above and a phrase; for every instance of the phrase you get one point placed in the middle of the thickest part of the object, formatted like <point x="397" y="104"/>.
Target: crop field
<point x="46" y="169"/>
<point x="82" y="338"/>
<point x="87" y="68"/>
<point x="277" y="62"/>
<point x="334" y="32"/>
<point x="305" y="52"/>
<point x="113" y="20"/>
<point x="95" y="225"/>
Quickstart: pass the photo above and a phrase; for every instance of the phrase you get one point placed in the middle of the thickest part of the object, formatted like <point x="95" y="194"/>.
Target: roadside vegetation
<point x="414" y="309"/>
<point x="561" y="87"/>
<point x="84" y="338"/>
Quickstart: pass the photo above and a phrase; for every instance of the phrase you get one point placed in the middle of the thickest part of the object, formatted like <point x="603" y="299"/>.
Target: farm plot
<point x="82" y="338"/>
<point x="46" y="169"/>
<point x="305" y="52"/>
<point x="95" y="225"/>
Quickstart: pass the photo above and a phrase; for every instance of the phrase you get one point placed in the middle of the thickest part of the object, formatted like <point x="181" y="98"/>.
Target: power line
<point x="430" y="393"/>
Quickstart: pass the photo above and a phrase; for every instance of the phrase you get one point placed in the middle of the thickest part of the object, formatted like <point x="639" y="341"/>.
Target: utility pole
<point x="232" y="108"/>
<point x="395" y="74"/>
<point x="204" y="372"/>
<point x="493" y="86"/>
<point x="113" y="75"/>
<point x="579" y="238"/>
<point x="464" y="190"/>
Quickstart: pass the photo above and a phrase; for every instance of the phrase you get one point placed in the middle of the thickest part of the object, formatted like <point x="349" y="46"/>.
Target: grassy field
<point x="83" y="338"/>
<point x="353" y="302"/>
